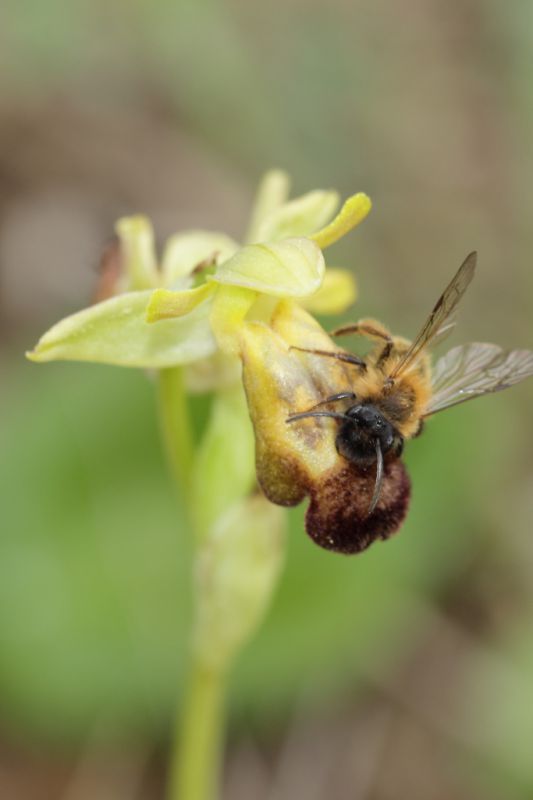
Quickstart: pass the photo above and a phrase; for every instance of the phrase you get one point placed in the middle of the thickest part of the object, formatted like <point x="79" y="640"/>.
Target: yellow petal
<point x="291" y="268"/>
<point x="165" y="304"/>
<point x="337" y="293"/>
<point x="138" y="250"/>
<point x="299" y="217"/>
<point x="230" y="307"/>
<point x="273" y="191"/>
<point x="351" y="214"/>
<point x="186" y="251"/>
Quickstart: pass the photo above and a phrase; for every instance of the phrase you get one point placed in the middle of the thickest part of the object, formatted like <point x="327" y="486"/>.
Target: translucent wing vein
<point x="441" y="319"/>
<point x="475" y="369"/>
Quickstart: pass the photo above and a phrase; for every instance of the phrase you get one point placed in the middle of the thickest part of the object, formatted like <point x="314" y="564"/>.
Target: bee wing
<point x="445" y="330"/>
<point x="441" y="319"/>
<point x="474" y="369"/>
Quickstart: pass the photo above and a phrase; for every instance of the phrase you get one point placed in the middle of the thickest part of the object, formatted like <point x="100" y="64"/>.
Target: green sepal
<point x="116" y="332"/>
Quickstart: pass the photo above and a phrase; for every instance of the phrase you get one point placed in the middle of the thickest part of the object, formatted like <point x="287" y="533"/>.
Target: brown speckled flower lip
<point x="299" y="460"/>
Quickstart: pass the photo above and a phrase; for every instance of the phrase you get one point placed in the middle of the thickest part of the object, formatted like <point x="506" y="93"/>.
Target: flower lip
<point x="304" y="458"/>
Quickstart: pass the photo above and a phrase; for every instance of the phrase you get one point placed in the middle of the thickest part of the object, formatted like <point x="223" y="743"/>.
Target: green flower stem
<point x="195" y="757"/>
<point x="194" y="775"/>
<point x="176" y="430"/>
<point x="238" y="548"/>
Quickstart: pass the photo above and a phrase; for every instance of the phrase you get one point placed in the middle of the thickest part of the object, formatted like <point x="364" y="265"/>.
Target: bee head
<point x="366" y="427"/>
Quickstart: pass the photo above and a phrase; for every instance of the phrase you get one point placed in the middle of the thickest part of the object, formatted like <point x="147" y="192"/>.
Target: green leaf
<point x="116" y="332"/>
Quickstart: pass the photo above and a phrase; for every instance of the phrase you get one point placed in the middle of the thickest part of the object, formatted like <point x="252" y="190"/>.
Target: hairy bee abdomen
<point x="337" y="515"/>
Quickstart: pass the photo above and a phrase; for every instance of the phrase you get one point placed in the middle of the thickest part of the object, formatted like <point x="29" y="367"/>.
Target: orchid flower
<point x="205" y="285"/>
<point x="229" y="315"/>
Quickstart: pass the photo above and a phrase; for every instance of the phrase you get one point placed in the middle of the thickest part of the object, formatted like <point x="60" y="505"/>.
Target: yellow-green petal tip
<point x="354" y="210"/>
<point x="166" y="304"/>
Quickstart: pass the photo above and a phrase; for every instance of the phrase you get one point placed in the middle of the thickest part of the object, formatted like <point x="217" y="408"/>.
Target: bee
<point x="394" y="391"/>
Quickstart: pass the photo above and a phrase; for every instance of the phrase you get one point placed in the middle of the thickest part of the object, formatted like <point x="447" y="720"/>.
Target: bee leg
<point x="370" y="329"/>
<point x="419" y="430"/>
<point x="384" y="355"/>
<point x="306" y="414"/>
<point x="333" y="399"/>
<point x="348" y="358"/>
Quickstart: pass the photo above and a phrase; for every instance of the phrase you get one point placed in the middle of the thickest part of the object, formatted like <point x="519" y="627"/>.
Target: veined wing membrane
<point x="474" y="369"/>
<point x="439" y="318"/>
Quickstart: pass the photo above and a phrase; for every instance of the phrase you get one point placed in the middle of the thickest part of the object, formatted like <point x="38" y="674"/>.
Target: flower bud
<point x="237" y="570"/>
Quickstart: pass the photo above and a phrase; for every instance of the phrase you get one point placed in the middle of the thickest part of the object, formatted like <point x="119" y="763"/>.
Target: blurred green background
<point x="405" y="672"/>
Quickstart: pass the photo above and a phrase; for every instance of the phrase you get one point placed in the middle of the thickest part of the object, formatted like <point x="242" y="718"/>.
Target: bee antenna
<point x="379" y="478"/>
<point x="305" y="414"/>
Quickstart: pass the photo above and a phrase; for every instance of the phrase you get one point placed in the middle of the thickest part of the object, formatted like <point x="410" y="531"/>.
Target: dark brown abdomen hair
<point x="337" y="515"/>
